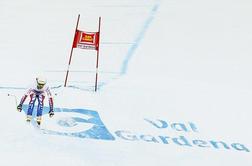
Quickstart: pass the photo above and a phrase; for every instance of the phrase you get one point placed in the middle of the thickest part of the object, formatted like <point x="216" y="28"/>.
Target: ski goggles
<point x="40" y="86"/>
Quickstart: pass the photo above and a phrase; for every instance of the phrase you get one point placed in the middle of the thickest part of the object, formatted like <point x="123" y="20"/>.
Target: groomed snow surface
<point x="174" y="87"/>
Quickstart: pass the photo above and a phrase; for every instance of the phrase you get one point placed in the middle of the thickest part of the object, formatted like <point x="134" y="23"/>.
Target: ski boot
<point x="39" y="118"/>
<point x="28" y="118"/>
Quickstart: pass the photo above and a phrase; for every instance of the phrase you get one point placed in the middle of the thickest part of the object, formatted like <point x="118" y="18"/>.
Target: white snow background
<point x="163" y="66"/>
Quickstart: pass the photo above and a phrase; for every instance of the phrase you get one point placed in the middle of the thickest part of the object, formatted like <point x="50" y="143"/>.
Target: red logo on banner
<point x="86" y="40"/>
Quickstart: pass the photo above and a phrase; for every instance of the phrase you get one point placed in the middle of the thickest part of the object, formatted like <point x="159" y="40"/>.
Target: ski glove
<point x="19" y="107"/>
<point x="51" y="113"/>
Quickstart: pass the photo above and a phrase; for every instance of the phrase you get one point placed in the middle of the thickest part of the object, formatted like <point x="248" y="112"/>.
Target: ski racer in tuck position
<point x="37" y="92"/>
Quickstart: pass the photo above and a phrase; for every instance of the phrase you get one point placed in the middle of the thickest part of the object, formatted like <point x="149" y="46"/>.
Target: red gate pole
<point x="69" y="62"/>
<point x="97" y="57"/>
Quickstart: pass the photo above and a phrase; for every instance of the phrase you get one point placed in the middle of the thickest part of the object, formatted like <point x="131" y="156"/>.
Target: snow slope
<point x="174" y="83"/>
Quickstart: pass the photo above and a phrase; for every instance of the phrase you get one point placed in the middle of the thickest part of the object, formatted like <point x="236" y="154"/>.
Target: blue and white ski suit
<point x="37" y="94"/>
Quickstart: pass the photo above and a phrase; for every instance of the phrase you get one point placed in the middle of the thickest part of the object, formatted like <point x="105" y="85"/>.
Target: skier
<point x="37" y="91"/>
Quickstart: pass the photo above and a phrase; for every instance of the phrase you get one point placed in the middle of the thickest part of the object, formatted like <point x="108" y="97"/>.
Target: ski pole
<point x="15" y="98"/>
<point x="55" y="100"/>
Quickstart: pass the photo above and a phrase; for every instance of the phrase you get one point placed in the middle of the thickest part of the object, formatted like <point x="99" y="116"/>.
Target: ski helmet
<point x="41" y="81"/>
